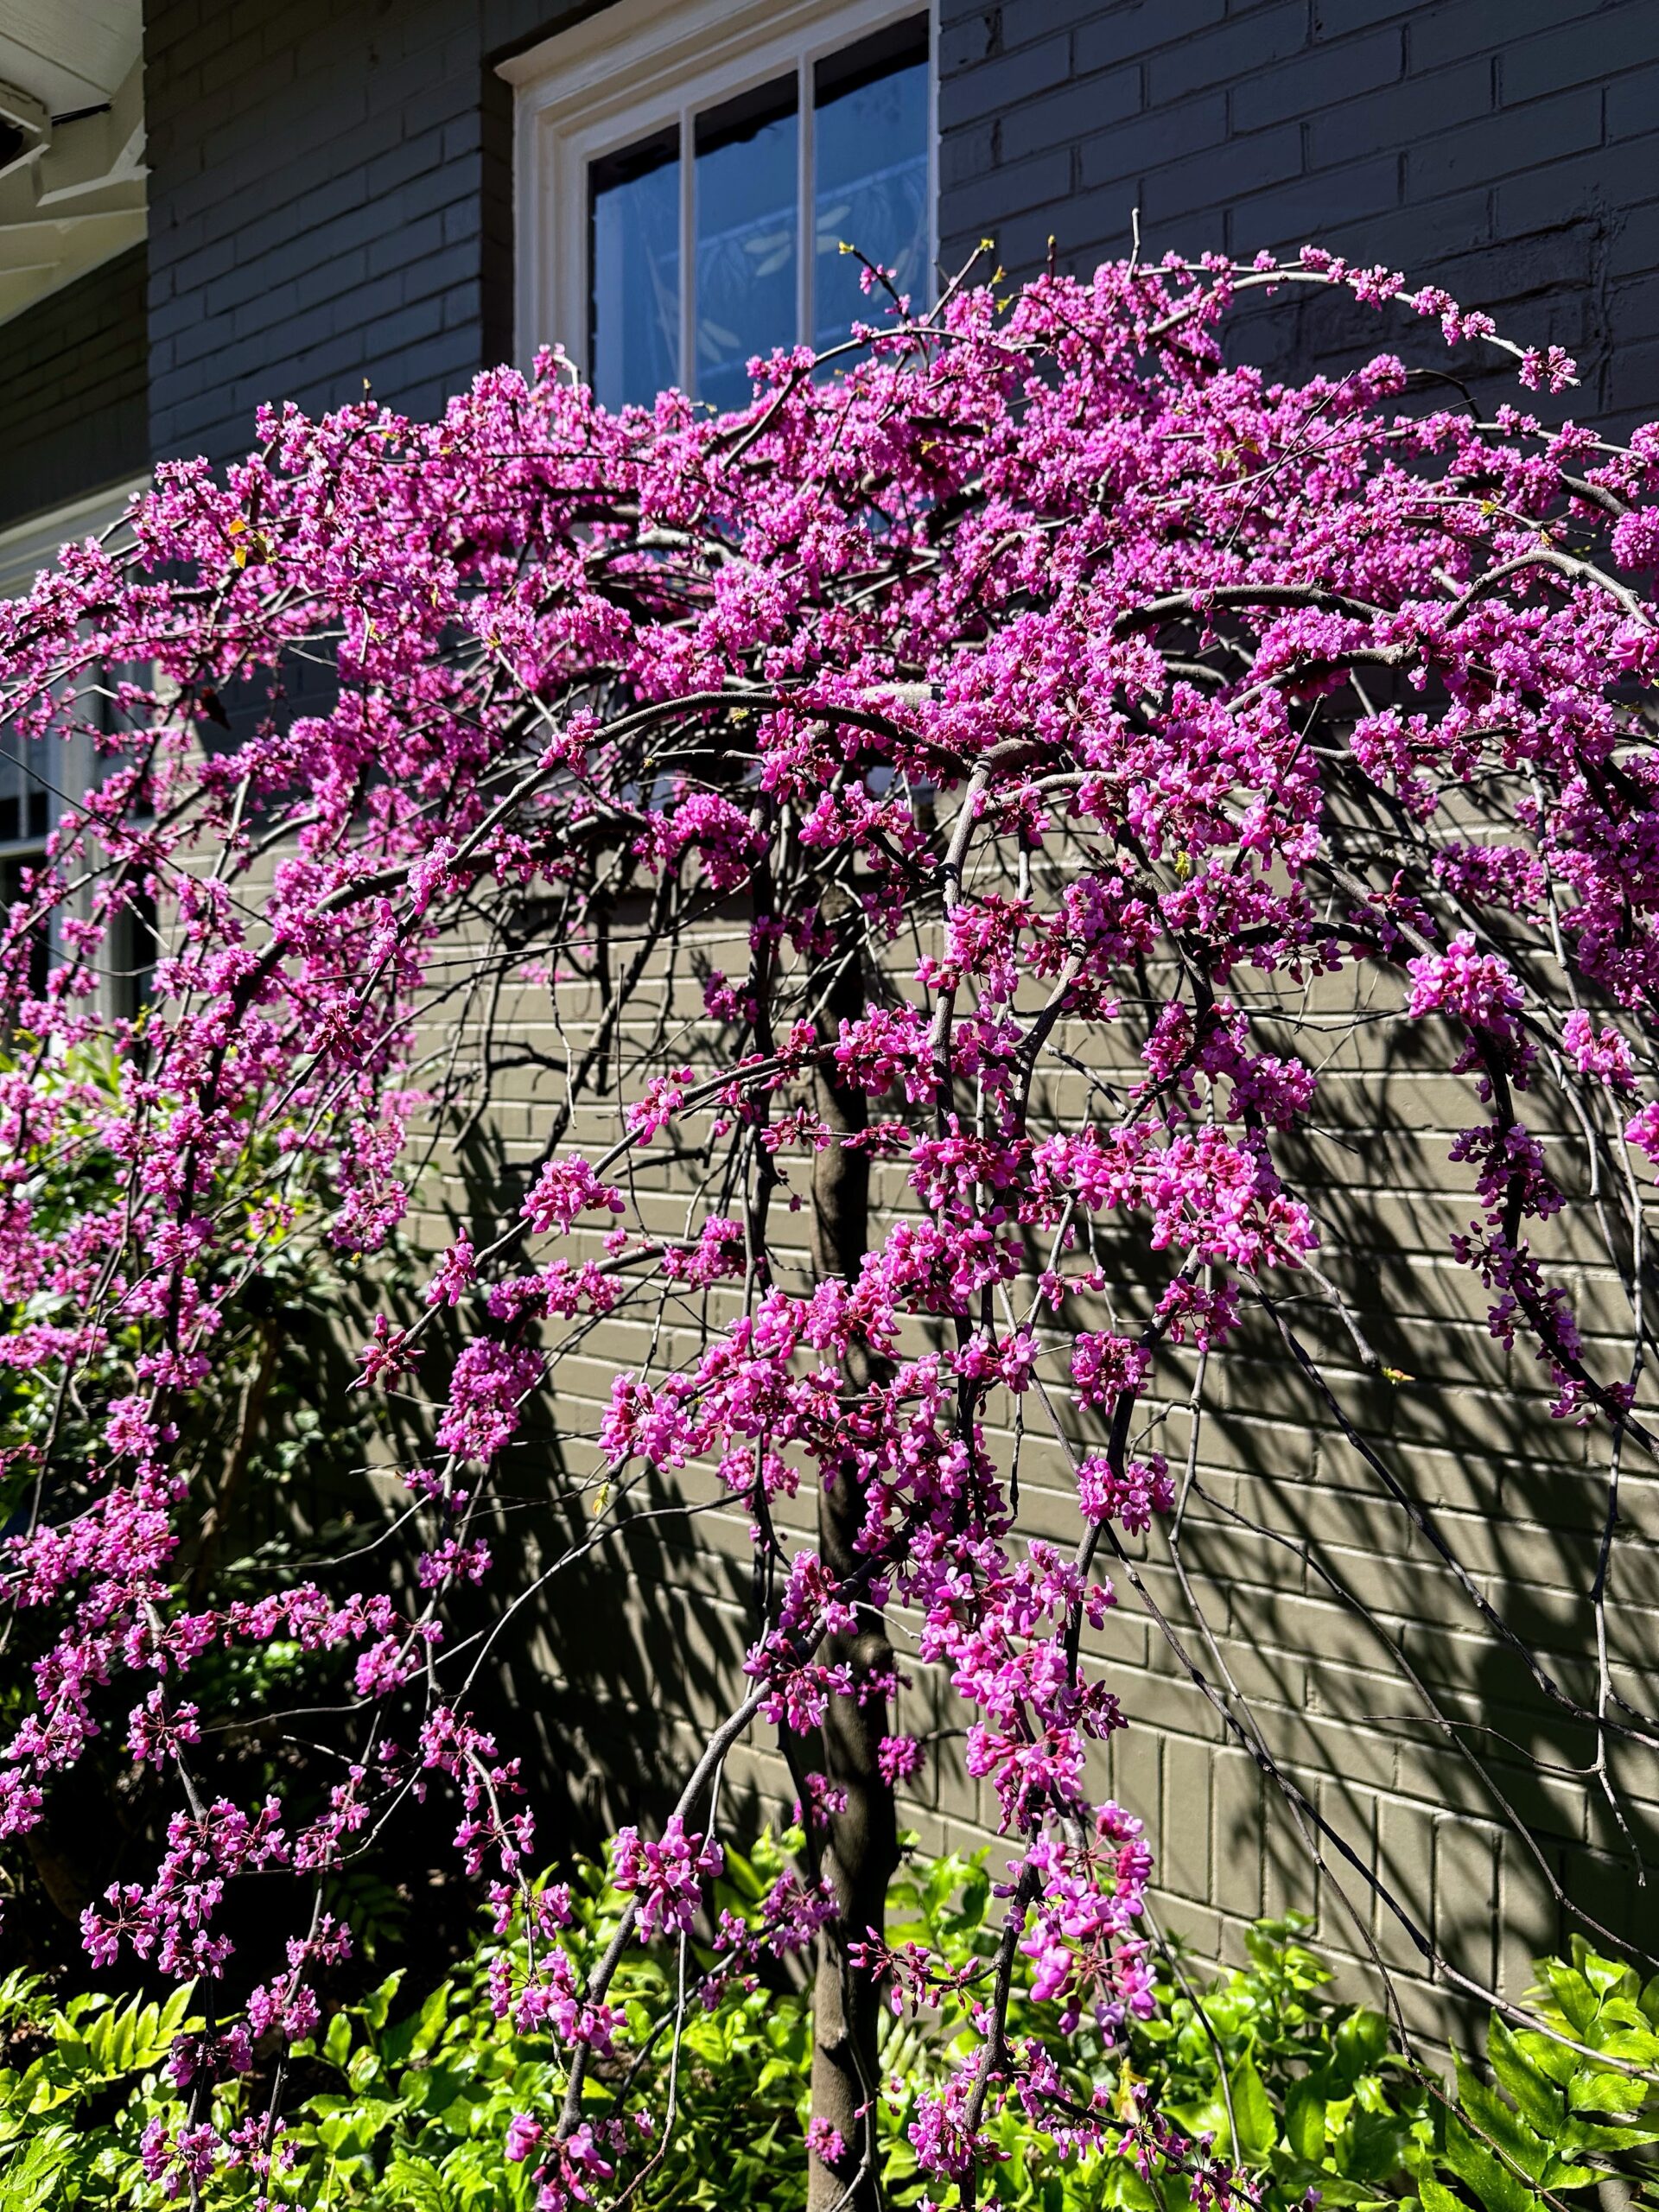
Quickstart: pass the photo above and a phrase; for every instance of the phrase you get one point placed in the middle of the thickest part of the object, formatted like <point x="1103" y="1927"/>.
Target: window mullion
<point x="806" y="240"/>
<point x="688" y="253"/>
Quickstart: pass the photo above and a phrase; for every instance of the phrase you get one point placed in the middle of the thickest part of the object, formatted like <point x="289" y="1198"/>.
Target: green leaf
<point x="1253" y="2113"/>
<point x="417" y="2183"/>
<point x="1360" y="2042"/>
<point x="1603" y="1975"/>
<point x="1373" y="2144"/>
<point x="363" y="2068"/>
<point x="1596" y="2089"/>
<point x="1574" y="1995"/>
<point x="1536" y="2097"/>
<point x="1496" y="2188"/>
<point x="1634" y="2045"/>
<point x="1435" y="2198"/>
<point x="1581" y="2135"/>
<point x="1552" y="2058"/>
<point x="377" y="2008"/>
<point x="1498" y="2123"/>
<point x="742" y="1877"/>
<point x="33" y="2180"/>
<point x="1565" y="2173"/>
<point x="1305" y="2121"/>
<point x="433" y="2015"/>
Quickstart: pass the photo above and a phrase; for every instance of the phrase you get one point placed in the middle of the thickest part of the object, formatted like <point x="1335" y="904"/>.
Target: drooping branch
<point x="1093" y="753"/>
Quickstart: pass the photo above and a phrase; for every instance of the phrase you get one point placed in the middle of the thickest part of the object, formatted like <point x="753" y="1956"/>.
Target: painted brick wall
<point x="1308" y="1597"/>
<point x="330" y="199"/>
<point x="331" y="194"/>
<point x="1508" y="147"/>
<point x="73" y="414"/>
<point x="314" y="208"/>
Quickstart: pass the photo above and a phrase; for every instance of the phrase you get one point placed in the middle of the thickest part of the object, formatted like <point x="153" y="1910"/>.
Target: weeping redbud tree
<point x="1031" y="695"/>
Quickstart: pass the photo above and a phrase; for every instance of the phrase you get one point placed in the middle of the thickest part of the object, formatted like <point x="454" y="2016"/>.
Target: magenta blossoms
<point x="893" y="868"/>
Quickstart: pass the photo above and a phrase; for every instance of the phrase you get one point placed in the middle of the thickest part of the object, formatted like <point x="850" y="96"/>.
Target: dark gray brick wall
<point x="330" y="199"/>
<point x="1508" y="148"/>
<point x="331" y="188"/>
<point x="72" y="412"/>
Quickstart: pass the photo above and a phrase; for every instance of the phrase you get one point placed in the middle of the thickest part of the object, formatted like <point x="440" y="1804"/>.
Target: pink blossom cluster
<point x="667" y="1876"/>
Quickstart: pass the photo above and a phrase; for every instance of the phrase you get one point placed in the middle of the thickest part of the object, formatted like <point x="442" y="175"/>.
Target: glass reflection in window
<point x="870" y="176"/>
<point x="634" y="271"/>
<point x="735" y="191"/>
<point x="24" y="798"/>
<point x="748" y="190"/>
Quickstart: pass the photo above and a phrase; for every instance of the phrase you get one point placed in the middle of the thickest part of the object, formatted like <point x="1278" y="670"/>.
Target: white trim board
<point x="29" y="546"/>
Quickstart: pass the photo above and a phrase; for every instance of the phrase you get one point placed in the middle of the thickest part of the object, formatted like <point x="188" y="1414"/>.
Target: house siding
<point x="72" y="410"/>
<point x="331" y="190"/>
<point x="1508" y="149"/>
<point x="330" y="203"/>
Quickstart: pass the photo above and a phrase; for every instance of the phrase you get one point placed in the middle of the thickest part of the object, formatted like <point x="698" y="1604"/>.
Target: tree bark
<point x="861" y="1849"/>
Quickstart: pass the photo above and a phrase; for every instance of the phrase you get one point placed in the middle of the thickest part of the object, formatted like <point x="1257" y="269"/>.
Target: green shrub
<point x="407" y="2104"/>
<point x="1561" y="2108"/>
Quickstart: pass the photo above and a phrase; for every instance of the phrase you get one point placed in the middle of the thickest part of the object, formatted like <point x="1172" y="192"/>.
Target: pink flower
<point x="826" y="2142"/>
<point x="454" y="1276"/>
<point x="565" y="1188"/>
<point x="899" y="1759"/>
<point x="523" y="2133"/>
<point x="1602" y="1052"/>
<point x="1478" y="988"/>
<point x="485" y="1390"/>
<point x="667" y="1876"/>
<point x="1131" y="1499"/>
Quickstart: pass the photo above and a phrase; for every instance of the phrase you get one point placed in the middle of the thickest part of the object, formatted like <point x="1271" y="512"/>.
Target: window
<point x="29" y="808"/>
<point x="35" y="780"/>
<point x="687" y="175"/>
<point x="25" y="819"/>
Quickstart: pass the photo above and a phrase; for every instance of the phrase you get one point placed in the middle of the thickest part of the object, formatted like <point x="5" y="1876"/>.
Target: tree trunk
<point x="862" y="1849"/>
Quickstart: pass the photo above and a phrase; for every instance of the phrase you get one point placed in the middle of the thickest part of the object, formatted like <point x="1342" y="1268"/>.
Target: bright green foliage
<point x="407" y="2107"/>
<point x="424" y="2102"/>
<point x="93" y="2055"/>
<point x="1301" y="2087"/>
<point x="1302" y="2090"/>
<point x="1563" y="2108"/>
<point x="404" y="2107"/>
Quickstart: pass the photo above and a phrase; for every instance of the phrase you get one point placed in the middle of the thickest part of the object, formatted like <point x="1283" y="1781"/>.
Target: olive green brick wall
<point x="1310" y="1600"/>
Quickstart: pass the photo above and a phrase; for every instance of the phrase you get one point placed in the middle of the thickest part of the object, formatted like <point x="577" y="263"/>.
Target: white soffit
<point x="72" y="141"/>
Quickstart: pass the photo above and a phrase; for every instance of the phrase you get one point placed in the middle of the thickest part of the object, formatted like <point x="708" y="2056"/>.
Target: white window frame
<point x="631" y="70"/>
<point x="26" y="547"/>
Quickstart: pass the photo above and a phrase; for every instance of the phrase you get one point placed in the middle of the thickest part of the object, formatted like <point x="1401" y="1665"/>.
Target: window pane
<point x="634" y="271"/>
<point x="25" y="803"/>
<point x="870" y="187"/>
<point x="747" y="184"/>
<point x="132" y="948"/>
